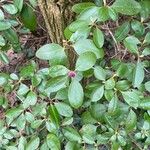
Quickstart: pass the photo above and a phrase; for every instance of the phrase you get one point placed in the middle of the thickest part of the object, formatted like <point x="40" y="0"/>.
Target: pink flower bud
<point x="72" y="74"/>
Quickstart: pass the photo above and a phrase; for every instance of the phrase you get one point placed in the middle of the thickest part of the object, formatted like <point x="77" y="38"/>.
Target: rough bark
<point x="57" y="15"/>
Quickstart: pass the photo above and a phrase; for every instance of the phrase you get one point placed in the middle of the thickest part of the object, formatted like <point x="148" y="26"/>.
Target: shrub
<point x="101" y="103"/>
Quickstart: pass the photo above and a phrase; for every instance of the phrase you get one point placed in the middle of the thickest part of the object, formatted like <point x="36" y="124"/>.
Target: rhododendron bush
<point x="99" y="99"/>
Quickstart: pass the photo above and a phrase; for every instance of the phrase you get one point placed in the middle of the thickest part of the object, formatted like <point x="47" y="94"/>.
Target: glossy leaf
<point x="122" y="31"/>
<point x="138" y="75"/>
<point x="4" y="25"/>
<point x="71" y="134"/>
<point x="145" y="103"/>
<point x="18" y="4"/>
<point x="78" y="8"/>
<point x="54" y="115"/>
<point x="128" y="7"/>
<point x="75" y="94"/>
<point x="33" y="143"/>
<point x="99" y="73"/>
<point x="64" y="109"/>
<point x="10" y="8"/>
<point x="147" y="86"/>
<point x="28" y="17"/>
<point x="53" y="52"/>
<point x="87" y="45"/>
<point x="131" y="98"/>
<point x="131" y="121"/>
<point x="97" y="94"/>
<point x="1" y="15"/>
<point x="85" y="61"/>
<point x="53" y="142"/>
<point x="98" y="38"/>
<point x="131" y="43"/>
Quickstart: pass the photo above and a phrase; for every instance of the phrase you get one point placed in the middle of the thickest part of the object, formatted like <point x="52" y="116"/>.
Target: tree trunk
<point x="57" y="15"/>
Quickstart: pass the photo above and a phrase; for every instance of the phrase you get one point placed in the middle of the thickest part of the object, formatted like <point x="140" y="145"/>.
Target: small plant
<point x="103" y="102"/>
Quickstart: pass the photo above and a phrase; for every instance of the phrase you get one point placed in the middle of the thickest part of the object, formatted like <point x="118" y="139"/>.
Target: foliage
<point x="11" y="15"/>
<point x="103" y="102"/>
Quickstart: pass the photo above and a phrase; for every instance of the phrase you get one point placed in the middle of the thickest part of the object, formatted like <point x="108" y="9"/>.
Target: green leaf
<point x="131" y="121"/>
<point x="90" y="14"/>
<point x="55" y="84"/>
<point x="132" y="98"/>
<point x="36" y="124"/>
<point x="97" y="111"/>
<point x="21" y="122"/>
<point x="22" y="143"/>
<point x="112" y="14"/>
<point x="121" y="140"/>
<point x="78" y="24"/>
<point x="99" y="73"/>
<point x="98" y="38"/>
<point x="131" y="43"/>
<point x="53" y="142"/>
<point x="122" y="70"/>
<point x="103" y="14"/>
<point x="97" y="94"/>
<point x="145" y="103"/>
<point x="110" y="84"/>
<point x="33" y="143"/>
<point x="64" y="109"/>
<point x="14" y="76"/>
<point x="44" y="146"/>
<point x="88" y="133"/>
<point x="81" y="33"/>
<point x="3" y="79"/>
<point x="78" y="8"/>
<point x="147" y="38"/>
<point x="138" y="75"/>
<point x="1" y="15"/>
<point x="53" y="52"/>
<point x="54" y="115"/>
<point x="4" y="25"/>
<point x="10" y="8"/>
<point x="86" y="45"/>
<point x="85" y="61"/>
<point x="30" y="100"/>
<point x="18" y="4"/>
<point x="67" y="121"/>
<point x="147" y="86"/>
<point x="13" y="113"/>
<point x="128" y="7"/>
<point x="12" y="37"/>
<point x="123" y="85"/>
<point x="122" y="31"/>
<point x="145" y="11"/>
<point x="23" y="89"/>
<point x="34" y="3"/>
<point x="28" y="17"/>
<point x="137" y="27"/>
<point x="71" y="134"/>
<point x="113" y="106"/>
<point x="75" y="94"/>
<point x="146" y="51"/>
<point x="2" y="41"/>
<point x="58" y="70"/>
<point x="72" y="146"/>
<point x="36" y="80"/>
<point x="29" y="117"/>
<point x="4" y="58"/>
